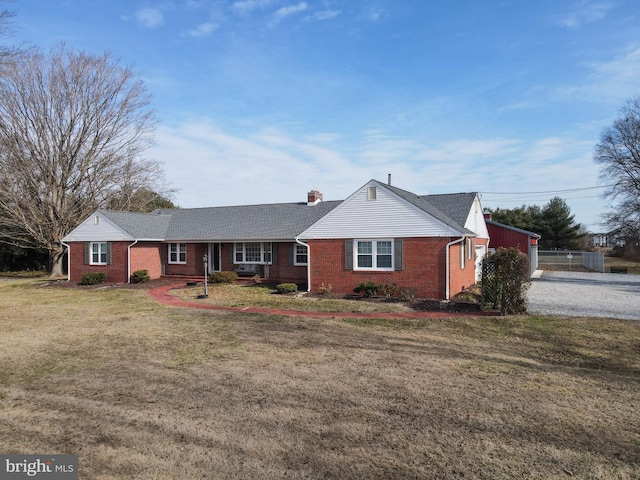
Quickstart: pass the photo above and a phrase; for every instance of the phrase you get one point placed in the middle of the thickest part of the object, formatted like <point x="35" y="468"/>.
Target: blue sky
<point x="262" y="100"/>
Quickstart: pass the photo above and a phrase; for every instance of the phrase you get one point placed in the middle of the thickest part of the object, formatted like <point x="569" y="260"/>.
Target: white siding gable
<point x="97" y="228"/>
<point x="475" y="221"/>
<point x="387" y="216"/>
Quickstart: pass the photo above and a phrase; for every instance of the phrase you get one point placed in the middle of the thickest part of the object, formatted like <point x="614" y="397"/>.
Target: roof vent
<point x="314" y="197"/>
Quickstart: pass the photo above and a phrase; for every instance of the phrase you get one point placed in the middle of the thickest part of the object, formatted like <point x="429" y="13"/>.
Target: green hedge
<point x="287" y="288"/>
<point x="223" y="277"/>
<point x="140" y="276"/>
<point x="93" y="278"/>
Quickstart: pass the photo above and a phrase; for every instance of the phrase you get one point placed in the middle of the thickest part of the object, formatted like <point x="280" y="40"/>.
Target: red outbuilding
<point x="506" y="236"/>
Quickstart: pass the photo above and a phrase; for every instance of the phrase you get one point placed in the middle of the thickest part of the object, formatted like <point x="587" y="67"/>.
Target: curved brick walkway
<point x="162" y="295"/>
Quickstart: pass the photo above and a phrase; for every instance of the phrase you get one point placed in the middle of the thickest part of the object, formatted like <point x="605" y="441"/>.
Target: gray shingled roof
<point x="451" y="209"/>
<point x="140" y="225"/>
<point x="279" y="221"/>
<point x="455" y="205"/>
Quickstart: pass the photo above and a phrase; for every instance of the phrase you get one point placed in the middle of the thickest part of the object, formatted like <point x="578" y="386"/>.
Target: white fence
<point x="571" y="260"/>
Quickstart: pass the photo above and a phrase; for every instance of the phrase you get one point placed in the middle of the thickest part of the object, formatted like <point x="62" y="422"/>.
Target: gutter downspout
<point x="299" y="242"/>
<point x="68" y="260"/>
<point x="129" y="261"/>
<point x="448" y="273"/>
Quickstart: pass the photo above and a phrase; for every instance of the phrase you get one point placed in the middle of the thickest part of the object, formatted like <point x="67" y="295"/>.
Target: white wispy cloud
<point x="211" y="166"/>
<point x="245" y="7"/>
<point x="373" y="15"/>
<point x="611" y="81"/>
<point x="462" y="149"/>
<point x="203" y="30"/>
<point x="291" y="10"/>
<point x="323" y="138"/>
<point x="326" y="14"/>
<point x="582" y="13"/>
<point x="150" y="17"/>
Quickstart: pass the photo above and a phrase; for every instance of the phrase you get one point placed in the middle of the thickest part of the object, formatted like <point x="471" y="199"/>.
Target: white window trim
<point x="100" y="253"/>
<point x="372" y="193"/>
<point x="177" y="252"/>
<point x="374" y="253"/>
<point x="295" y="255"/>
<point x="264" y="253"/>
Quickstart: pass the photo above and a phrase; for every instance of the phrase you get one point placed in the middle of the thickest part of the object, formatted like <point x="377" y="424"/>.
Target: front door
<point x="214" y="257"/>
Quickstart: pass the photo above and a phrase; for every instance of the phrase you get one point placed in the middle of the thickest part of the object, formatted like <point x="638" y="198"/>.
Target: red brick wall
<point x="461" y="278"/>
<point x="284" y="270"/>
<point x="147" y="256"/>
<point x="424" y="262"/>
<point x="194" y="265"/>
<point x="116" y="272"/>
<point x="153" y="257"/>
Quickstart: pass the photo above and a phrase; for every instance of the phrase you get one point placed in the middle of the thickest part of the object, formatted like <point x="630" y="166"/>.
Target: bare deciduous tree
<point x="73" y="127"/>
<point x="6" y="27"/>
<point x="619" y="155"/>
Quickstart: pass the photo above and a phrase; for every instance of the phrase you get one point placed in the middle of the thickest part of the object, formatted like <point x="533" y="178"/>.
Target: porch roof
<point x="279" y="221"/>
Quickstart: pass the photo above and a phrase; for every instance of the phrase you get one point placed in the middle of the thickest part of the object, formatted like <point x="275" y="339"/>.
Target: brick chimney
<point x="314" y="197"/>
<point x="487" y="214"/>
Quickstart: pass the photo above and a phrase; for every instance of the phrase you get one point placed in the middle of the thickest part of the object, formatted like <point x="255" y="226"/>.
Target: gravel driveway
<point x="586" y="295"/>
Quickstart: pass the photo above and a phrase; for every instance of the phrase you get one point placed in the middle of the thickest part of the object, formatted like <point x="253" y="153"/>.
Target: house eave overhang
<point x="229" y="240"/>
<point x="70" y="239"/>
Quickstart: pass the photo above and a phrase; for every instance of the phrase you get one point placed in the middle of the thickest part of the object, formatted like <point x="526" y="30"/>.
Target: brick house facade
<point x="380" y="234"/>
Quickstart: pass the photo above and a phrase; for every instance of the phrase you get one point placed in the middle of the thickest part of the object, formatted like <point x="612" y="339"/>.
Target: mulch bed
<point x="461" y="303"/>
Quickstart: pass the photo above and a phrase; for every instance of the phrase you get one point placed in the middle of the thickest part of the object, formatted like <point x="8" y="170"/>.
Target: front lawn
<point x="263" y="295"/>
<point x="140" y="390"/>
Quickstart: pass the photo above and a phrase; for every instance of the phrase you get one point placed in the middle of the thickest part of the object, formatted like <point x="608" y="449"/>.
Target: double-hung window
<point x="99" y="253"/>
<point x="300" y="256"/>
<point x="177" y="253"/>
<point x="252" y="252"/>
<point x="373" y="254"/>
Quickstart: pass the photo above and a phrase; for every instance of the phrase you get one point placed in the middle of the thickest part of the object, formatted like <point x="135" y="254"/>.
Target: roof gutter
<point x="447" y="267"/>
<point x="129" y="261"/>
<point x="306" y="245"/>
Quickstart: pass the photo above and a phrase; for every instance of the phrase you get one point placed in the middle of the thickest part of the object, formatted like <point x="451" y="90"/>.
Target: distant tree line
<point x="553" y="222"/>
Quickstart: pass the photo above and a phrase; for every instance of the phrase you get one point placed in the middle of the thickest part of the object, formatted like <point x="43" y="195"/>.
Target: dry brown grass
<point x="143" y="391"/>
<point x="262" y="295"/>
<point x="632" y="266"/>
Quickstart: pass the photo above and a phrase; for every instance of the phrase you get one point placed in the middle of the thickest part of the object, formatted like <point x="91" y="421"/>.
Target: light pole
<point x="205" y="261"/>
